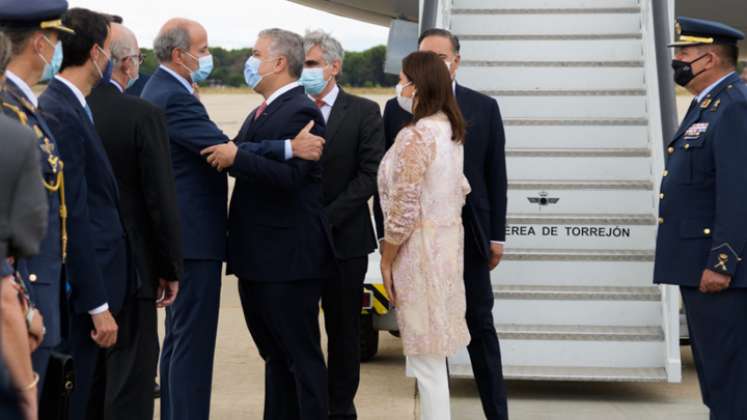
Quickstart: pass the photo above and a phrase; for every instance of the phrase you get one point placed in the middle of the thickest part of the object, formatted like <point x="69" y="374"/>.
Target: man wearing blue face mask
<point x="98" y="265"/>
<point x="36" y="56"/>
<point x="136" y="140"/>
<point x="181" y="48"/>
<point x="355" y="145"/>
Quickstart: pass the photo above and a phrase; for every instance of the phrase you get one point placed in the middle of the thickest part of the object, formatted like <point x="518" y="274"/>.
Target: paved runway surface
<point x="386" y="394"/>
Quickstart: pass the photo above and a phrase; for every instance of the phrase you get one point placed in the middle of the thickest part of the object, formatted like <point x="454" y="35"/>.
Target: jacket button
<point x="707" y="231"/>
<point x="670" y="150"/>
<point x="666" y="172"/>
<point x="661" y="220"/>
<point x="32" y="278"/>
<point x="661" y="196"/>
<point x="687" y="146"/>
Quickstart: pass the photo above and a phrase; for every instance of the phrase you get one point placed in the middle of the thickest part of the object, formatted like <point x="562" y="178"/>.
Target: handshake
<point x="305" y="146"/>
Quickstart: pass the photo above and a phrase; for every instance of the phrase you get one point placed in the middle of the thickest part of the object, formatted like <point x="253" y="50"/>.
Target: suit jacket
<point x="201" y="191"/>
<point x="135" y="139"/>
<point x="96" y="267"/>
<point x="277" y="227"/>
<point x="23" y="202"/>
<point x="354" y="148"/>
<point x="46" y="266"/>
<point x="484" y="214"/>
<point x="703" y="221"/>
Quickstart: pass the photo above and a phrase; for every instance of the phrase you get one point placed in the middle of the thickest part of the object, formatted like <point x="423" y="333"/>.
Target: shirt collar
<point x="281" y="91"/>
<point x="710" y="88"/>
<point x="24" y="87"/>
<point x="76" y="91"/>
<point x="179" y="78"/>
<point x="117" y="85"/>
<point x="331" y="97"/>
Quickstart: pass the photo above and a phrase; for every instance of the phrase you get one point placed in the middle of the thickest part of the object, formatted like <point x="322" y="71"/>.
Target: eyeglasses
<point x="137" y="57"/>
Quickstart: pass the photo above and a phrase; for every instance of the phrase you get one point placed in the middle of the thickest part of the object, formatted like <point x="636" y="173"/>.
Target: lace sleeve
<point x="415" y="149"/>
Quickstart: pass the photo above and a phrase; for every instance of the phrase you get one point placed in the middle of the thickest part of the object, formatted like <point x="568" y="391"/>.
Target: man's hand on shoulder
<point x="220" y="156"/>
<point x="307" y="146"/>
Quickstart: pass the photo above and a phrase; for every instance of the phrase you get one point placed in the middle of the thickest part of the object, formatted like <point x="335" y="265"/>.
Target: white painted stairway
<point x="576" y="83"/>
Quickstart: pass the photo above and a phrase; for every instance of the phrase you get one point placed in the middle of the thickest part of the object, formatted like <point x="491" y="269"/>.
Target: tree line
<point x="360" y="68"/>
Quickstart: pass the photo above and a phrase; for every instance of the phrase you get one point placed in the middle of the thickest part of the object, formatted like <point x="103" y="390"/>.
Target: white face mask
<point x="403" y="101"/>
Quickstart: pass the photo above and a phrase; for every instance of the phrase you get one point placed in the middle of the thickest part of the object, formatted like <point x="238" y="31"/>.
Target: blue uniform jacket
<point x="42" y="272"/>
<point x="201" y="191"/>
<point x="96" y="264"/>
<point x="278" y="230"/>
<point x="702" y="215"/>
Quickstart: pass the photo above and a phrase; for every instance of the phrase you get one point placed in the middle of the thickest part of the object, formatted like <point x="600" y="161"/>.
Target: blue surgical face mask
<point x="313" y="81"/>
<point x="131" y="82"/>
<point x="52" y="67"/>
<point x="106" y="74"/>
<point x="252" y="77"/>
<point x="204" y="68"/>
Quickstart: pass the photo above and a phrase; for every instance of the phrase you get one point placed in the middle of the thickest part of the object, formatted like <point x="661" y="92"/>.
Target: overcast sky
<point x="235" y="23"/>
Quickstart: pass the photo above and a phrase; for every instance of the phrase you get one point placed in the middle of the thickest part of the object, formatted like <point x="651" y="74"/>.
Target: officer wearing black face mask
<point x="702" y="237"/>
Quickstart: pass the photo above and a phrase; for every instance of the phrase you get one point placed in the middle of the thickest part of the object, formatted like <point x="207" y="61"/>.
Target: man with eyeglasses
<point x="135" y="138"/>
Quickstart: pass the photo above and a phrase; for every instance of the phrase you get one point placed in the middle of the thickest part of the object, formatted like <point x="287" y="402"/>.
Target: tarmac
<point x="385" y="392"/>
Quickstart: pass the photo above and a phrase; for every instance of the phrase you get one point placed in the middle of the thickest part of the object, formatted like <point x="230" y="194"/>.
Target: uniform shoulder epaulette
<point x="22" y="118"/>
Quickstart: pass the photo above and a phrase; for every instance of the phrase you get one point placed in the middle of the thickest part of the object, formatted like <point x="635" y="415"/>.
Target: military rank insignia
<point x="696" y="130"/>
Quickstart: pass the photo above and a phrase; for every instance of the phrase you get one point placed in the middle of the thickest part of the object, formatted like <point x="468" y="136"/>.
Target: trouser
<point x="189" y="344"/>
<point x="283" y="319"/>
<point x="484" y="349"/>
<point x="131" y="365"/>
<point x="718" y="333"/>
<point x="341" y="302"/>
<point x="433" y="386"/>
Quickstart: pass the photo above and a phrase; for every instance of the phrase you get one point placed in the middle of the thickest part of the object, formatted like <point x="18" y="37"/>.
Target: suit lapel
<point x="337" y="116"/>
<point x="255" y="125"/>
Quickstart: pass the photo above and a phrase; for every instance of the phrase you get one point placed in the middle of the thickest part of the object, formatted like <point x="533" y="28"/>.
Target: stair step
<point x="582" y="219"/>
<point x="548" y="37"/>
<point x="571" y="63"/>
<point x="546" y="11"/>
<point x="585" y="374"/>
<point x="546" y="22"/>
<point x="611" y="92"/>
<point x="579" y="185"/>
<point x="577" y="122"/>
<point x="579" y="332"/>
<point x="651" y="293"/>
<point x="515" y="254"/>
<point x="566" y="153"/>
<point x="545" y="4"/>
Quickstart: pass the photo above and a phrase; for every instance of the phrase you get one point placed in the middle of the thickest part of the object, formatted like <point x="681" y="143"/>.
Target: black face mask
<point x="683" y="71"/>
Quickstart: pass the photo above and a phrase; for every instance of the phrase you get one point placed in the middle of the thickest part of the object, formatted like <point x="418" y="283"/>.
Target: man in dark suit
<point x="187" y="355"/>
<point x="484" y="216"/>
<point x="355" y="146"/>
<point x="97" y="261"/>
<point x="279" y="244"/>
<point x="33" y="31"/>
<point x="702" y="233"/>
<point x="134" y="135"/>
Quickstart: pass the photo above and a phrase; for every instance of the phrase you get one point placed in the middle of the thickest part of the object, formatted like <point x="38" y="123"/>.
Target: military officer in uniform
<point x="702" y="234"/>
<point x="33" y="28"/>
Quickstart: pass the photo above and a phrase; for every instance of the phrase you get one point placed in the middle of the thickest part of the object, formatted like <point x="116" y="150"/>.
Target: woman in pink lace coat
<point x="422" y="189"/>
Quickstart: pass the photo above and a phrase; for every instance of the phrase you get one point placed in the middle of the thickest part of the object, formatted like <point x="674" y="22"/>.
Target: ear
<point x="336" y="68"/>
<point x="37" y="42"/>
<point x="281" y="64"/>
<point x="176" y="56"/>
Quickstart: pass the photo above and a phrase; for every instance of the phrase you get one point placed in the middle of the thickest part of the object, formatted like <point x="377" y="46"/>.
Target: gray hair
<point x="167" y="41"/>
<point x="331" y="48"/>
<point x="123" y="45"/>
<point x="289" y="45"/>
<point x="5" y="51"/>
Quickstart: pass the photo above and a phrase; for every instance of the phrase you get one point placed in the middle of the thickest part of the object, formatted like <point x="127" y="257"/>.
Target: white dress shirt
<point x="25" y="88"/>
<point x="84" y="104"/>
<point x="179" y="78"/>
<point x="329" y="101"/>
<point x="117" y="85"/>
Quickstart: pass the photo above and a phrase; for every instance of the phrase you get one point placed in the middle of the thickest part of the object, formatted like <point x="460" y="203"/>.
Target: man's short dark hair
<point x="730" y="54"/>
<point x="442" y="33"/>
<point x="90" y="28"/>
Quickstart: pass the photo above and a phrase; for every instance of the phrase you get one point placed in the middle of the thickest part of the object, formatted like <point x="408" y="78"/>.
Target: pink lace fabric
<point x="422" y="188"/>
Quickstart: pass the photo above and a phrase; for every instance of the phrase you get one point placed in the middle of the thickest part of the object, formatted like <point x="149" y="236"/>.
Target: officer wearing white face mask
<point x="34" y="29"/>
